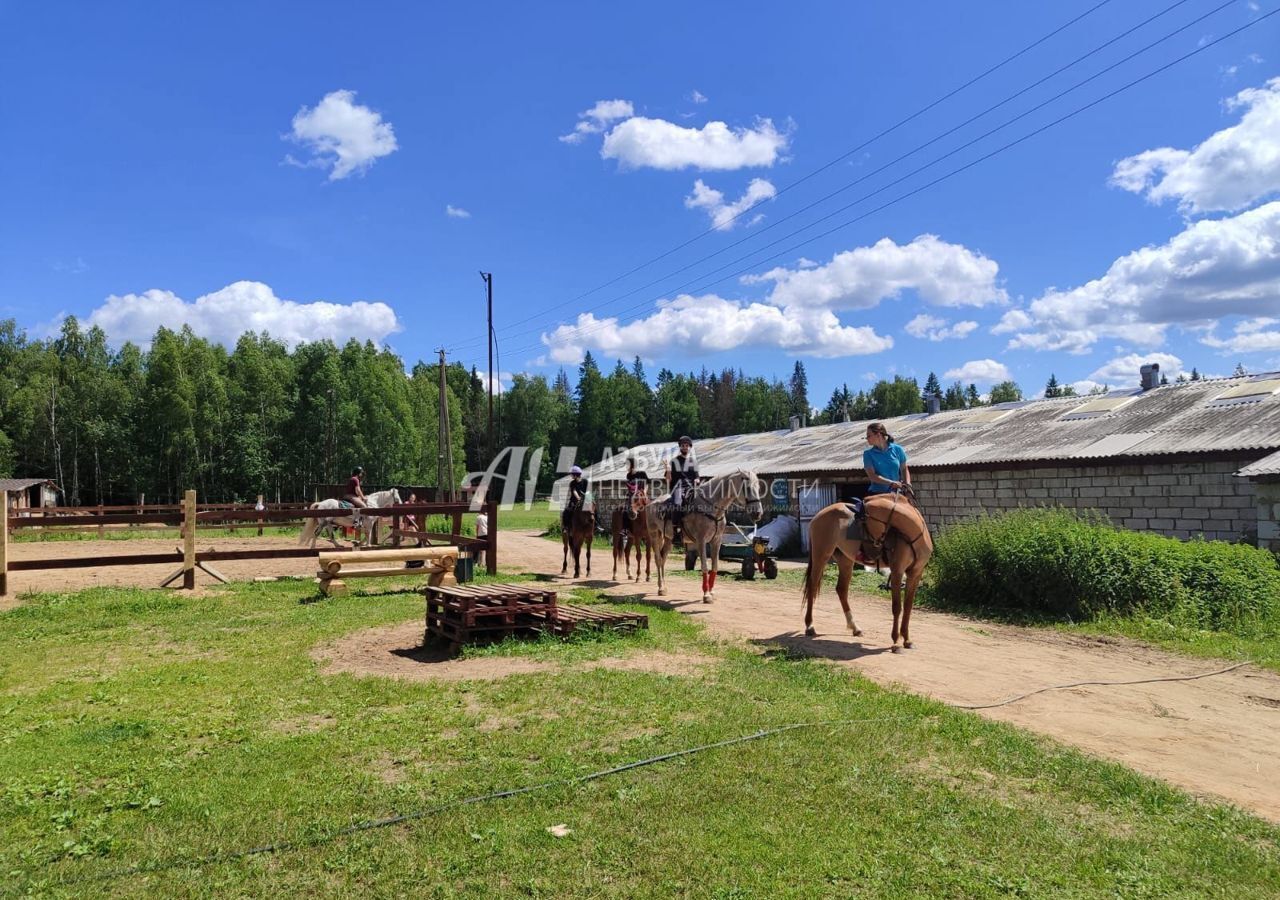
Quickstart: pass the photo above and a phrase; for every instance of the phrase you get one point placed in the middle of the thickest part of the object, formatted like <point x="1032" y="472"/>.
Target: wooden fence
<point x="190" y="517"/>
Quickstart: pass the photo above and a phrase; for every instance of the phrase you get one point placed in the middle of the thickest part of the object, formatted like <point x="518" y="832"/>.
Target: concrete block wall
<point x="1181" y="500"/>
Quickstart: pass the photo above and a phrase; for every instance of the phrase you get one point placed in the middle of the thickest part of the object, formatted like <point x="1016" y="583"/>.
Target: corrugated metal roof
<point x="1268" y="465"/>
<point x="1175" y="418"/>
<point x="21" y="484"/>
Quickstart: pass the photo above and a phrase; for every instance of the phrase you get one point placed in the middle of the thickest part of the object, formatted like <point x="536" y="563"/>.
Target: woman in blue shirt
<point x="885" y="462"/>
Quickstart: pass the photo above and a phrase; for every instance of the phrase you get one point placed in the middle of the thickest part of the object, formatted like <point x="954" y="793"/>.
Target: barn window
<point x="1249" y="392"/>
<point x="1101" y="405"/>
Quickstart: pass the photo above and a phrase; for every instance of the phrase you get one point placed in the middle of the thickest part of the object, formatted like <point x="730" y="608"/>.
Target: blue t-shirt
<point x="886" y="463"/>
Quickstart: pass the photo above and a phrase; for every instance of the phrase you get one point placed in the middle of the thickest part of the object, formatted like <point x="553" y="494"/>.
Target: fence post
<point x="4" y="543"/>
<point x="259" y="506"/>
<point x="101" y="529"/>
<point x="189" y="541"/>
<point x="491" y="550"/>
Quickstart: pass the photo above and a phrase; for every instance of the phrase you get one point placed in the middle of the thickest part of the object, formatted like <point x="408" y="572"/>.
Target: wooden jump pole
<point x="189" y="541"/>
<point x="491" y="551"/>
<point x="4" y="543"/>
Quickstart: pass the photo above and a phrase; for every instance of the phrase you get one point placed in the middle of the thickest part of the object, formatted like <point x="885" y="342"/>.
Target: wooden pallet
<point x="460" y="614"/>
<point x="569" y="619"/>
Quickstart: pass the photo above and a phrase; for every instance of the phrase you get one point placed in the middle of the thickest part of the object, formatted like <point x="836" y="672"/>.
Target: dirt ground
<point x="1215" y="737"/>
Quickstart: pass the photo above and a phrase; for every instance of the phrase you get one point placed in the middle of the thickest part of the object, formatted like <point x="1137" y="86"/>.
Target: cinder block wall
<point x="1176" y="499"/>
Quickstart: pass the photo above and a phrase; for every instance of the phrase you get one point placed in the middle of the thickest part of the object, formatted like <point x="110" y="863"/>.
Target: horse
<point x="628" y="527"/>
<point x="376" y="500"/>
<point x="578" y="526"/>
<point x="703" y="522"/>
<point x="893" y="531"/>
<point x="350" y="517"/>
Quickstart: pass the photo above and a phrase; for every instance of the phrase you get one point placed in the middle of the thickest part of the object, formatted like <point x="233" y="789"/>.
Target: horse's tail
<point x="308" y="531"/>
<point x="812" y="577"/>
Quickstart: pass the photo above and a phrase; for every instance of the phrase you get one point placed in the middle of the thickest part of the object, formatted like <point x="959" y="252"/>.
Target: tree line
<point x="109" y="425"/>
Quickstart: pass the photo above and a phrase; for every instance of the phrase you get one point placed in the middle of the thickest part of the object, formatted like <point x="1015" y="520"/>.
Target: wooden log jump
<point x="437" y="564"/>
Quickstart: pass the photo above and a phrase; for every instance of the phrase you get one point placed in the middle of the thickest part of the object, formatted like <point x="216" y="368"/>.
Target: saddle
<point x="856" y="530"/>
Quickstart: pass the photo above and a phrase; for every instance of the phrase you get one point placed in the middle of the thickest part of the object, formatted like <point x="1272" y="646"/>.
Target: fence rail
<point x="190" y="517"/>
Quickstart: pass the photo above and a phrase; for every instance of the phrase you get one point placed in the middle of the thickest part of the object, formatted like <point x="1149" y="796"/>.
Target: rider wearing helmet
<point x="578" y="487"/>
<point x="637" y="486"/>
<point x="682" y="478"/>
<point x="354" y="495"/>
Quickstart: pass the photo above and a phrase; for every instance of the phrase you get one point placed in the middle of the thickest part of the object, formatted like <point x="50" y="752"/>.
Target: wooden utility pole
<point x="4" y="543"/>
<point x="444" y="460"/>
<point x="488" y="281"/>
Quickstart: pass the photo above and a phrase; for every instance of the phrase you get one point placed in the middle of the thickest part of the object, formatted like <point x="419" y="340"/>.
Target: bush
<point x="1064" y="565"/>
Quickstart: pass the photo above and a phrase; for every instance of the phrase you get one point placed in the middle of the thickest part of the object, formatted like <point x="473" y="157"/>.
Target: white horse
<point x="703" y="523"/>
<point x="348" y="517"/>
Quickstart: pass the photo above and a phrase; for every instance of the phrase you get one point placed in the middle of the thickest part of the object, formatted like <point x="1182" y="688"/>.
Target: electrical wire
<point x="615" y="321"/>
<point x="843" y="156"/>
<point x="869" y="175"/>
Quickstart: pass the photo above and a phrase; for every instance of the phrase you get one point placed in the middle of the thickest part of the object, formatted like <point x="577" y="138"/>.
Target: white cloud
<point x="224" y="315"/>
<point x="342" y="135"/>
<point x="725" y="215"/>
<point x="933" y="328"/>
<point x="698" y="97"/>
<point x="940" y="273"/>
<point x="597" y="119"/>
<point x="711" y="324"/>
<point x="1213" y="268"/>
<point x="1124" y="371"/>
<point x="805" y="263"/>
<point x="1251" y="336"/>
<point x="980" y="371"/>
<point x="456" y="212"/>
<point x="641" y="142"/>
<point x="1230" y="170"/>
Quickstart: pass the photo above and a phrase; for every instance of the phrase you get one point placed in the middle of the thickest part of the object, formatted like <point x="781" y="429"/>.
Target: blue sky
<point x="294" y="167"/>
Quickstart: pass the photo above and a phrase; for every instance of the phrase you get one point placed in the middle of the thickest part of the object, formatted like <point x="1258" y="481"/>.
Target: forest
<point x="108" y="425"/>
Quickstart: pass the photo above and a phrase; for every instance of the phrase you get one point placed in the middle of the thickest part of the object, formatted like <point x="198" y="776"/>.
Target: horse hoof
<point x="906" y="644"/>
<point x="706" y="598"/>
<point x="810" y="632"/>
<point x="857" y="632"/>
<point x="662" y="592"/>
<point x="895" y="649"/>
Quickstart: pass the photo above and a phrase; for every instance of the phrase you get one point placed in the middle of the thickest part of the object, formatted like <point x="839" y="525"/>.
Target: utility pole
<point x="444" y="460"/>
<point x="488" y="280"/>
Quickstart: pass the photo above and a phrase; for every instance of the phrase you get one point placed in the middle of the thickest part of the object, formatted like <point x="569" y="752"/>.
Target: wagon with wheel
<point x="752" y="549"/>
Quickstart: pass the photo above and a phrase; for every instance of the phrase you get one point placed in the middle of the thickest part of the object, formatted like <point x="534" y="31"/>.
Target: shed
<point x="28" y="493"/>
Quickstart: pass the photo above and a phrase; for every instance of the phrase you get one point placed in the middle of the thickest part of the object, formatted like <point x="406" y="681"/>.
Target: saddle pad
<point x="855" y="531"/>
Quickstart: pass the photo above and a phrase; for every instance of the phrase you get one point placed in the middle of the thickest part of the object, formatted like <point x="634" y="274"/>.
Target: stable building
<point x="29" y="493"/>
<point x="1189" y="459"/>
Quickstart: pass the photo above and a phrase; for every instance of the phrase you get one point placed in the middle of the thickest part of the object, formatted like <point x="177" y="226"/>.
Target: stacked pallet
<point x="466" y="613"/>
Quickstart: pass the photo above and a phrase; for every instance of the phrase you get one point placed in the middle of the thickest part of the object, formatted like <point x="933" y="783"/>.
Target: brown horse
<point x="630" y="533"/>
<point x="578" y="527"/>
<point x="893" y="532"/>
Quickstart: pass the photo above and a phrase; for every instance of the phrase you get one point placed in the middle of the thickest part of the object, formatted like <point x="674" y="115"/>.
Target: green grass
<point x="139" y="727"/>
<point x="539" y="518"/>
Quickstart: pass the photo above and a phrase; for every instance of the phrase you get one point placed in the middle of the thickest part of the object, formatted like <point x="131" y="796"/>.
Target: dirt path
<point x="1217" y="736"/>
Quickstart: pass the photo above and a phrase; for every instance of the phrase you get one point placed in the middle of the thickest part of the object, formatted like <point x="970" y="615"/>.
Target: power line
<point x="941" y="178"/>
<point x="843" y="156"/>
<point x="869" y="175"/>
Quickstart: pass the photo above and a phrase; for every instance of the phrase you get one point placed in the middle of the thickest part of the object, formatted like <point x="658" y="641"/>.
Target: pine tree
<point x="1195" y="374"/>
<point x="971" y="396"/>
<point x="1006" y="392"/>
<point x="799" y="391"/>
<point x="1240" y="370"/>
<point x="932" y="387"/>
<point x="1051" y="388"/>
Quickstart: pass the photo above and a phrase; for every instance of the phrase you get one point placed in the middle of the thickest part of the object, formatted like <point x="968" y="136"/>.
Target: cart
<point x="752" y="549"/>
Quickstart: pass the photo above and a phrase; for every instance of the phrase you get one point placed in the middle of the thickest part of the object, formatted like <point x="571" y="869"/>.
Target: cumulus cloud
<point x="940" y="273"/>
<point x="712" y="324"/>
<point x="1213" y="268"/>
<point x="1124" y="371"/>
<point x="597" y="119"/>
<point x="224" y="315"/>
<point x="641" y="142"/>
<point x="456" y="212"/>
<point x="979" y="371"/>
<point x="725" y="215"/>
<point x="343" y="136"/>
<point x="1251" y="336"/>
<point x="1229" y="171"/>
<point x="933" y="328"/>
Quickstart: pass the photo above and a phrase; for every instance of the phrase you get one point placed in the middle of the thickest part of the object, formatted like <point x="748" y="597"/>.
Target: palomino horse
<point x="348" y="517"/>
<point x="629" y="533"/>
<point x="704" y="523"/>
<point x="893" y="531"/>
<point x="578" y="527"/>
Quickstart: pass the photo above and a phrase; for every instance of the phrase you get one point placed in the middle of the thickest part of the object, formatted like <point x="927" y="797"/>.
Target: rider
<point x="682" y="478"/>
<point x="578" y="487"/>
<point x="354" y="495"/>
<point x="637" y="485"/>
<point x="885" y="462"/>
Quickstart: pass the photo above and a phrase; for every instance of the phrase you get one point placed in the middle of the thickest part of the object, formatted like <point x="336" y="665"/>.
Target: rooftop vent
<point x="1150" y="376"/>
<point x="796" y="423"/>
<point x="933" y="404"/>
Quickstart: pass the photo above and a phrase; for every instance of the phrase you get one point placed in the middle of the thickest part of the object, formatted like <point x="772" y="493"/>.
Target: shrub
<point x="1066" y="565"/>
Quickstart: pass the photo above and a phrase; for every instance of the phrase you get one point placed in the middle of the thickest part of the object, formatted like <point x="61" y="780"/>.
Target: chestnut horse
<point x="581" y="529"/>
<point x="893" y="532"/>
